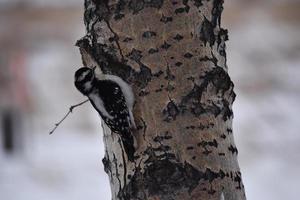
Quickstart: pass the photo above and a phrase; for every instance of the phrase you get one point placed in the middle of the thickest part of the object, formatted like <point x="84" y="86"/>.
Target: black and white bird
<point x="113" y="99"/>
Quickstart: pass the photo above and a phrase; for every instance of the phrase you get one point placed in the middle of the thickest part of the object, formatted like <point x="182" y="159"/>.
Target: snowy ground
<point x="61" y="167"/>
<point x="263" y="60"/>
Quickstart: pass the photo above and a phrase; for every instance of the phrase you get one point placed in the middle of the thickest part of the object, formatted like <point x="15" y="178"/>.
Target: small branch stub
<point x="67" y="114"/>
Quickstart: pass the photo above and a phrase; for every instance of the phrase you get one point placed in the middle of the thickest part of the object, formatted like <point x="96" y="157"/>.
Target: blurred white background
<point x="37" y="62"/>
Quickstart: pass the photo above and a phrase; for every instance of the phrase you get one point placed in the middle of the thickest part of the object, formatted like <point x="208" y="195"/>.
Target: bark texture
<point x="173" y="55"/>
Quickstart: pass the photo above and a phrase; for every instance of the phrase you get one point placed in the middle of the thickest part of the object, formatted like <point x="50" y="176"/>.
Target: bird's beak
<point x="94" y="68"/>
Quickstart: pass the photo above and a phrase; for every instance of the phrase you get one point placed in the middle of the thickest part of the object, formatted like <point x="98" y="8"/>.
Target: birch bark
<point x="172" y="52"/>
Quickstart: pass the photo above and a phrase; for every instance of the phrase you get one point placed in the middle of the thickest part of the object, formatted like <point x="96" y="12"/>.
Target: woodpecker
<point x="113" y="99"/>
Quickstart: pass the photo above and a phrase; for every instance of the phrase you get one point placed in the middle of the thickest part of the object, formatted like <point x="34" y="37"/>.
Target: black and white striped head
<point x="84" y="78"/>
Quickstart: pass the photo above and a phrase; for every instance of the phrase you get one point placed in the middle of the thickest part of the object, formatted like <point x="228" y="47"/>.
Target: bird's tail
<point x="128" y="144"/>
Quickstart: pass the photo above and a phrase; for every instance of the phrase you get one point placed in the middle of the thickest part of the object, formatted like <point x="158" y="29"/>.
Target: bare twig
<point x="70" y="110"/>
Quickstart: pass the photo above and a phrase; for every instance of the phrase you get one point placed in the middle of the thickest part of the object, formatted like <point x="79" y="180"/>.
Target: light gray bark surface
<point x="173" y="55"/>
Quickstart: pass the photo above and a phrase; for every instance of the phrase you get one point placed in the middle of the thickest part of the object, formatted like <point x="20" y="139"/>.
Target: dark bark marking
<point x="115" y="161"/>
<point x="222" y="36"/>
<point x="143" y="93"/>
<point x="111" y="39"/>
<point x="166" y="19"/>
<point x="213" y="109"/>
<point x="149" y="34"/>
<point x="161" y="138"/>
<point x="135" y="55"/>
<point x="143" y="77"/>
<point x="238" y="179"/>
<point x="144" y="128"/>
<point x="198" y="3"/>
<point x="178" y="37"/>
<point x="222" y="82"/>
<point x="127" y="39"/>
<point x="223" y="136"/>
<point x="211" y="175"/>
<point x="207" y="32"/>
<point x="191" y="78"/>
<point x="111" y="65"/>
<point x="206" y="58"/>
<point x="204" y="144"/>
<point x="211" y="191"/>
<point x="124" y="165"/>
<point x="185" y="3"/>
<point x="227" y="111"/>
<point x="162" y="148"/>
<point x="163" y="177"/>
<point x="95" y="10"/>
<point x="216" y="12"/>
<point x="165" y="45"/>
<point x="188" y="55"/>
<point x="119" y="11"/>
<point x="206" y="152"/>
<point x="181" y="10"/>
<point x="158" y="90"/>
<point x="152" y="51"/>
<point x="158" y="74"/>
<point x="116" y="39"/>
<point x="170" y="87"/>
<point x="190" y="148"/>
<point x="233" y="149"/>
<point x="194" y="96"/>
<point x="190" y="127"/>
<point x="155" y="154"/>
<point x="169" y="76"/>
<point x="229" y="130"/>
<point x="89" y="13"/>
<point x="107" y="164"/>
<point x="220" y="79"/>
<point x="197" y="109"/>
<point x="202" y="127"/>
<point x="171" y="111"/>
<point x="136" y="5"/>
<point x="186" y="8"/>
<point x="178" y="64"/>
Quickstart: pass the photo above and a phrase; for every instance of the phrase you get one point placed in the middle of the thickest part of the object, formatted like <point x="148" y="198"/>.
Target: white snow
<point x="65" y="165"/>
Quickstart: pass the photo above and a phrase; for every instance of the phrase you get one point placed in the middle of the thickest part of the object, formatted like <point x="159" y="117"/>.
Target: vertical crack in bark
<point x="116" y="39"/>
<point x="169" y="77"/>
<point x="144" y="128"/>
<point x="115" y="161"/>
<point x="124" y="165"/>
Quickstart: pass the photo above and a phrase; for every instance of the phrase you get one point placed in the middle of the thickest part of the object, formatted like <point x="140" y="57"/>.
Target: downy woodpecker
<point x="113" y="99"/>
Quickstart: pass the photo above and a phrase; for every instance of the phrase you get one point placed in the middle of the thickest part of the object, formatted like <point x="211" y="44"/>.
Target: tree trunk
<point x="173" y="55"/>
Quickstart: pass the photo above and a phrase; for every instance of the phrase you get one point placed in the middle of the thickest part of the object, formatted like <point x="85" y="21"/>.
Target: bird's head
<point x="84" y="78"/>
